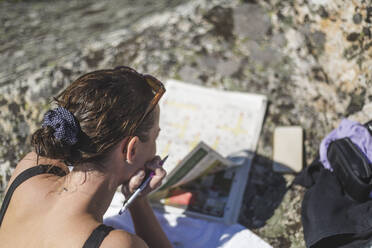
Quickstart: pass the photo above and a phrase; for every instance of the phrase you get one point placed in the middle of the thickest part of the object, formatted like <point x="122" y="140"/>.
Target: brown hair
<point x="106" y="103"/>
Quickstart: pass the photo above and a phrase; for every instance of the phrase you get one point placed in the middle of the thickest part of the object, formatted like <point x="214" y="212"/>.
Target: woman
<point x="105" y="127"/>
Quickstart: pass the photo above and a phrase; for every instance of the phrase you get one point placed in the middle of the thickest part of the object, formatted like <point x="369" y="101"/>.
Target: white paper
<point x="226" y="121"/>
<point x="184" y="231"/>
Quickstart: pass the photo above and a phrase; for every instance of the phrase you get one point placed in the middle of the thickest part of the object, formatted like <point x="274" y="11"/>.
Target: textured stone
<point x="251" y="21"/>
<point x="311" y="58"/>
<point x="222" y="20"/>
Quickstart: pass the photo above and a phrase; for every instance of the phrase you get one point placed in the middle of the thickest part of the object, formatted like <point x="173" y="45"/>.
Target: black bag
<point x="351" y="167"/>
<point x="336" y="211"/>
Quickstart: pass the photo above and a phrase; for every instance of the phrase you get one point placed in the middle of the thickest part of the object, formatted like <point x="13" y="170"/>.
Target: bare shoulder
<point x="120" y="238"/>
<point x="31" y="160"/>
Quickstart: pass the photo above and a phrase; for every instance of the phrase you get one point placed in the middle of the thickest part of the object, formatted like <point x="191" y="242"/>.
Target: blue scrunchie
<point x="63" y="122"/>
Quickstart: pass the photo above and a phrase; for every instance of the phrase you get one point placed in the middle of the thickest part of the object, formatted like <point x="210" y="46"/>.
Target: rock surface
<point x="312" y="58"/>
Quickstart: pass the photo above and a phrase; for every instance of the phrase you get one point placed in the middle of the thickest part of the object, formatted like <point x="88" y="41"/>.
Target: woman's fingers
<point x="134" y="182"/>
<point x="158" y="174"/>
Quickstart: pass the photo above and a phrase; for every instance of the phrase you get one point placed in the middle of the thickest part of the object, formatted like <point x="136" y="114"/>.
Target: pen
<point x="139" y="189"/>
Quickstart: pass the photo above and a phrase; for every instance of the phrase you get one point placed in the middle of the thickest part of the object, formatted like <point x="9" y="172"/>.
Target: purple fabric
<point x="357" y="133"/>
<point x="63" y="122"/>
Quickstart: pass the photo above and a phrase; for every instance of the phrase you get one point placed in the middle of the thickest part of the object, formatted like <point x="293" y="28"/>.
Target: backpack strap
<point x="97" y="236"/>
<point x="26" y="174"/>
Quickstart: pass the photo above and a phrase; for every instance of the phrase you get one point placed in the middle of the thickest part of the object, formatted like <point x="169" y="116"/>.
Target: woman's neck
<point x="89" y="192"/>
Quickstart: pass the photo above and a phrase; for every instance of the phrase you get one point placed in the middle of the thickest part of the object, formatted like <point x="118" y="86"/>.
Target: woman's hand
<point x="136" y="180"/>
<point x="145" y="222"/>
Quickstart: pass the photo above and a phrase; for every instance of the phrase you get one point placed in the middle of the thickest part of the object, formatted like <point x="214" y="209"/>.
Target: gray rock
<point x="207" y="62"/>
<point x="228" y="67"/>
<point x="263" y="54"/>
<point x="222" y="20"/>
<point x="278" y="40"/>
<point x="190" y="74"/>
<point x="357" y="18"/>
<point x="293" y="52"/>
<point x="251" y="21"/>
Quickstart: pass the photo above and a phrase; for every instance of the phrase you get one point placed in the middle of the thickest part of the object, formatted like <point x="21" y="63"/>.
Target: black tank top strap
<point x="26" y="174"/>
<point x="97" y="236"/>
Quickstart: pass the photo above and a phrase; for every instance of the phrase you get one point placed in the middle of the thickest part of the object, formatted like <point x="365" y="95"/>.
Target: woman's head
<point x="107" y="105"/>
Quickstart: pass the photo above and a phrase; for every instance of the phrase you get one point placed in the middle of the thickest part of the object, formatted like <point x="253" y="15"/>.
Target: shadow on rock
<point x="264" y="193"/>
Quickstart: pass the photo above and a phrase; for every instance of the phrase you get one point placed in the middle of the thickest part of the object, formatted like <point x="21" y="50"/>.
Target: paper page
<point x="226" y="121"/>
<point x="213" y="163"/>
<point x="207" y="195"/>
<point x="201" y="160"/>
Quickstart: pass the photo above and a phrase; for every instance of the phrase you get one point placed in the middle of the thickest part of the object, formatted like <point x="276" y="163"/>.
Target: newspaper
<point x="201" y="127"/>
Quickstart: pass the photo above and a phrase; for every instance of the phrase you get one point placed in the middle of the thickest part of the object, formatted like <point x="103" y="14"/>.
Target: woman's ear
<point x="131" y="148"/>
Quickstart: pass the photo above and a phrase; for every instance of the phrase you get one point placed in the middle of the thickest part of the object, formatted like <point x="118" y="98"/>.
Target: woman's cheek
<point x="154" y="150"/>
